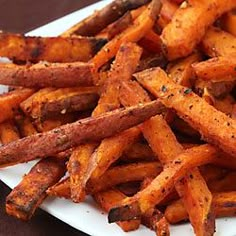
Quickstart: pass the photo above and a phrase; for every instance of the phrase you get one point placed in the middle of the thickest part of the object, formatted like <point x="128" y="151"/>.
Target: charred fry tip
<point x="126" y="212"/>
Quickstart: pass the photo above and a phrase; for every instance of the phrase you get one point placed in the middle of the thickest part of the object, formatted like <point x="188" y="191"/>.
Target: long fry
<point x="214" y="125"/>
<point x="47" y="75"/>
<point x="162" y="185"/>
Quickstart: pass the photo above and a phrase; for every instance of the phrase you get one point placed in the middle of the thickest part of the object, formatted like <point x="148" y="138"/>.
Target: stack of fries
<point x="136" y="105"/>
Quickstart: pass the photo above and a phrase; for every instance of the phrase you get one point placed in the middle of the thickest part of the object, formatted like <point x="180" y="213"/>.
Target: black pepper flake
<point x="164" y="88"/>
<point x="187" y="91"/>
<point x="163" y="190"/>
<point x="191" y="176"/>
<point x="232" y="136"/>
<point x="190" y="107"/>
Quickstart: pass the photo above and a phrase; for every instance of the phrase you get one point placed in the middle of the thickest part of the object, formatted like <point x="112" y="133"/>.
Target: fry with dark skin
<point x="47" y="75"/>
<point x="224" y="205"/>
<point x="60" y="101"/>
<point x="20" y="48"/>
<point x="70" y="135"/>
<point x="132" y="34"/>
<point x="216" y="69"/>
<point x="31" y="191"/>
<point x="107" y="199"/>
<point x="214" y="126"/>
<point x="93" y="24"/>
<point x="181" y="35"/>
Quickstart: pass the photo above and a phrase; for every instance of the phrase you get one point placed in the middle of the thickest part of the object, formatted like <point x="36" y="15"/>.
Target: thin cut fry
<point x="108" y="199"/>
<point x="217" y="42"/>
<point x="181" y="36"/>
<point x="132" y="34"/>
<point x="213" y="125"/>
<point x="91" y="25"/>
<point x="224" y="205"/>
<point x="47" y="75"/>
<point x="77" y="168"/>
<point x="163" y="184"/>
<point x="217" y="69"/>
<point x="71" y="135"/>
<point x="112" y="148"/>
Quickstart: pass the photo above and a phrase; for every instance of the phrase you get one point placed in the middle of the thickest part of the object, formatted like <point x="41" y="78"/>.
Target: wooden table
<point x="22" y="16"/>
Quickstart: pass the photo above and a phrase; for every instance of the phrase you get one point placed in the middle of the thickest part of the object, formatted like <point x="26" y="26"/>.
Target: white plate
<point x="86" y="216"/>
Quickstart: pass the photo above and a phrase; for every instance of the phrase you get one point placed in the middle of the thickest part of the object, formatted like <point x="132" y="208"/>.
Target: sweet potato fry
<point x="216" y="69"/>
<point x="60" y="189"/>
<point x="224" y="205"/>
<point x="9" y="102"/>
<point x="181" y="71"/>
<point x="124" y="66"/>
<point x="112" y="148"/>
<point x="158" y="223"/>
<point x="217" y="42"/>
<point x="8" y="132"/>
<point x="77" y="168"/>
<point x="49" y="124"/>
<point x="47" y="75"/>
<point x="162" y="185"/>
<point x="22" y="48"/>
<point x="138" y="151"/>
<point x="60" y="101"/>
<point x="85" y="130"/>
<point x="93" y="24"/>
<point x="112" y="177"/>
<point x="225" y="104"/>
<point x="167" y="12"/>
<point x="227" y="183"/>
<point x="108" y="199"/>
<point x="123" y="174"/>
<point x="132" y="34"/>
<point x="29" y="194"/>
<point x="25" y="126"/>
<point x="220" y="131"/>
<point x="228" y="22"/>
<point x="181" y="36"/>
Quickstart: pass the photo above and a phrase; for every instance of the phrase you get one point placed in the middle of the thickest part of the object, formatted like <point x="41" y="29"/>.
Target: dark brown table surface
<point x="22" y="16"/>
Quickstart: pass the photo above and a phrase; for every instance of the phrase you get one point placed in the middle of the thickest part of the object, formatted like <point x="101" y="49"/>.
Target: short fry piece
<point x="8" y="132"/>
<point x="9" y="102"/>
<point x="217" y="69"/>
<point x="47" y="75"/>
<point x="182" y="35"/>
<point x="108" y="199"/>
<point x="29" y="194"/>
<point x="215" y="126"/>
<point x="77" y="168"/>
<point x="60" y="189"/>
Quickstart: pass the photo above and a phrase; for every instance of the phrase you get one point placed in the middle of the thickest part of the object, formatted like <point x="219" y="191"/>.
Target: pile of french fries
<point x="135" y="105"/>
